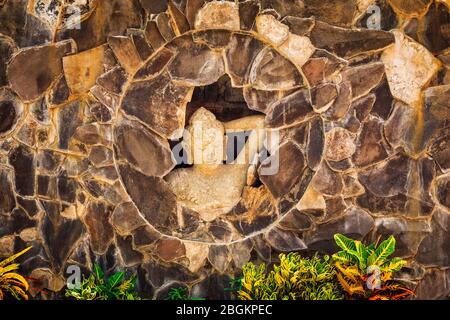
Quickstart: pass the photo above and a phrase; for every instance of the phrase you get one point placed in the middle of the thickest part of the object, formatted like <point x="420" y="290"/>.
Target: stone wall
<point x="93" y="93"/>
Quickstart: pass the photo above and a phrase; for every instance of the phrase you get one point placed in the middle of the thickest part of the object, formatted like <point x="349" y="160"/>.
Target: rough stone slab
<point x="218" y="15"/>
<point x="219" y="257"/>
<point x="113" y="80"/>
<point x="125" y="218"/>
<point x="11" y="109"/>
<point x="157" y="204"/>
<point x="155" y="65"/>
<point x="239" y="57"/>
<point x="159" y="103"/>
<point x="30" y="72"/>
<point x="326" y="181"/>
<point x="192" y="7"/>
<point x="271" y="71"/>
<point x="7" y="199"/>
<point x="178" y="19"/>
<point x="355" y="223"/>
<point x="348" y="43"/>
<point x="125" y="52"/>
<point x="248" y="10"/>
<point x="339" y="144"/>
<point x="98" y="226"/>
<point x="197" y="253"/>
<point x="153" y="36"/>
<point x="299" y="26"/>
<point x="25" y="29"/>
<point x="296" y="221"/>
<point x="438" y="239"/>
<point x="388" y="178"/>
<point x="410" y="8"/>
<point x="369" y="146"/>
<point x="316" y="143"/>
<point x="22" y="160"/>
<point x="82" y="70"/>
<point x="205" y="66"/>
<point x="409" y="66"/>
<point x="364" y="78"/>
<point x="285" y="8"/>
<point x="298" y="49"/>
<point x="292" y="109"/>
<point x="145" y="150"/>
<point x="260" y="100"/>
<point x="7" y="49"/>
<point x="271" y="29"/>
<point x="110" y="18"/>
<point x="408" y="234"/>
<point x="154" y="6"/>
<point x="335" y="12"/>
<point x="291" y="163"/>
<point x="285" y="241"/>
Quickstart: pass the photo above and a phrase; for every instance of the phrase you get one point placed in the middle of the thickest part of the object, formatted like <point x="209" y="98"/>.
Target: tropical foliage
<point x="367" y="272"/>
<point x="180" y="293"/>
<point x="295" y="278"/>
<point x="356" y="272"/>
<point x="99" y="287"/>
<point x="11" y="283"/>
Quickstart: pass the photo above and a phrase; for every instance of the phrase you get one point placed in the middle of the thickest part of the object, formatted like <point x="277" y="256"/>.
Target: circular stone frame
<point x="152" y="111"/>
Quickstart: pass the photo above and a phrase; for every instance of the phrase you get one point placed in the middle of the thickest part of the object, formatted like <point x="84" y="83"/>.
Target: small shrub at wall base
<point x="295" y="278"/>
<point x="180" y="293"/>
<point x="367" y="272"/>
<point x="357" y="272"/>
<point x="99" y="287"/>
<point x="12" y="284"/>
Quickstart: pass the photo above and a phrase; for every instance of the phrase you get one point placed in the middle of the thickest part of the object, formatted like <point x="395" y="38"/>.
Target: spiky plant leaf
<point x="115" y="279"/>
<point x="350" y="287"/>
<point x="13" y="257"/>
<point x="393" y="265"/>
<point x="345" y="243"/>
<point x="19" y="293"/>
<point x="9" y="268"/>
<point x="343" y="257"/>
<point x="384" y="250"/>
<point x="11" y="282"/>
<point x="98" y="272"/>
<point x="370" y="248"/>
<point x="362" y="255"/>
<point x="17" y="278"/>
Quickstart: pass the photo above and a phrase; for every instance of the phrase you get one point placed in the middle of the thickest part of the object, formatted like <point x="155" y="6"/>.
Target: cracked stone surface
<point x="99" y="151"/>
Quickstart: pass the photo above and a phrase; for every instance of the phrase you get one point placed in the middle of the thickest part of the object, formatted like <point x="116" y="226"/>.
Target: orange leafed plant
<point x="12" y="283"/>
<point x="367" y="272"/>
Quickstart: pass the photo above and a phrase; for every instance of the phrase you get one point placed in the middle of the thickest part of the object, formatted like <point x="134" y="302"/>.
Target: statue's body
<point x="210" y="187"/>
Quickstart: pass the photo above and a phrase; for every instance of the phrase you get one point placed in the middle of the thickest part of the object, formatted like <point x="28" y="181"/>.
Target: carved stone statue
<point x="211" y="187"/>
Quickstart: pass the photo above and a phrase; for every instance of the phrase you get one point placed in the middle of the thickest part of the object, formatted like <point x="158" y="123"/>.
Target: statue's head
<point x="204" y="139"/>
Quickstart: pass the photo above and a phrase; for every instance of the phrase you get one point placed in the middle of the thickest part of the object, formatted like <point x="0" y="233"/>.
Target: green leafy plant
<point x="180" y="294"/>
<point x="235" y="285"/>
<point x="367" y="272"/>
<point x="11" y="283"/>
<point x="98" y="287"/>
<point x="295" y="278"/>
